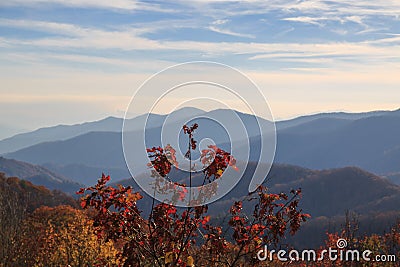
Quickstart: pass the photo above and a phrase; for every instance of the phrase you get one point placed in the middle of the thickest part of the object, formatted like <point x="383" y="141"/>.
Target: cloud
<point x="129" y="39"/>
<point x="284" y="32"/>
<point x="72" y="64"/>
<point x="320" y="20"/>
<point x="85" y="61"/>
<point x="229" y="32"/>
<point x="390" y="40"/>
<point x="320" y="7"/>
<point x="365" y="13"/>
<point x="106" y="4"/>
<point x="355" y="19"/>
<point x="79" y="37"/>
<point x="357" y="50"/>
<point x="340" y="31"/>
<point x="309" y="20"/>
<point x="371" y="30"/>
<point x="220" y="21"/>
<point x="44" y="26"/>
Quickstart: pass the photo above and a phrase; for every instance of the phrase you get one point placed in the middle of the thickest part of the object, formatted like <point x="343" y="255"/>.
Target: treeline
<point x="39" y="227"/>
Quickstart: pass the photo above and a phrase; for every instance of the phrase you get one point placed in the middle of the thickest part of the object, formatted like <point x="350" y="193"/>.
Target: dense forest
<point x="39" y="227"/>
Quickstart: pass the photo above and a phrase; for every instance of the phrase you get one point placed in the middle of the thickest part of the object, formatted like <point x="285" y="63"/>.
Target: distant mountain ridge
<point x="370" y="143"/>
<point x="55" y="133"/>
<point x="367" y="140"/>
<point x="37" y="175"/>
<point x="64" y="132"/>
<point x="334" y="115"/>
<point x="114" y="124"/>
<point x="86" y="174"/>
<point x="7" y="131"/>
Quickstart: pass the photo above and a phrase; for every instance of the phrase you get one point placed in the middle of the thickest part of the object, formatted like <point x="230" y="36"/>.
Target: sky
<point x="69" y="61"/>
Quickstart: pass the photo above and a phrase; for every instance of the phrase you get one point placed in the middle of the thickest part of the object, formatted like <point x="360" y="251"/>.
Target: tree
<point x="12" y="210"/>
<point x="61" y="236"/>
<point x="172" y="237"/>
<point x="19" y="198"/>
<point x="386" y="244"/>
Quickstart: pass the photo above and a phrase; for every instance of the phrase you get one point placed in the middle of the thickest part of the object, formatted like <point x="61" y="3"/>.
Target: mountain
<point x="33" y="196"/>
<point x="333" y="191"/>
<point x="103" y="150"/>
<point x="327" y="193"/>
<point x="7" y="131"/>
<point x="59" y="132"/>
<point x="113" y="124"/>
<point x="319" y="125"/>
<point x="37" y="175"/>
<point x="86" y="174"/>
<point x="393" y="177"/>
<point x="110" y="124"/>
<point x="370" y="142"/>
<point x="92" y="149"/>
<point x="333" y="115"/>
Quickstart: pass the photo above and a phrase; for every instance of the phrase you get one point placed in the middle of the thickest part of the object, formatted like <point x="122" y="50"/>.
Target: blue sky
<point x="67" y="61"/>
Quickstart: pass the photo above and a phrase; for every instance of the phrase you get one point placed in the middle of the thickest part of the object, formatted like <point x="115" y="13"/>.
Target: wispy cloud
<point x="356" y="51"/>
<point x="320" y="7"/>
<point x="316" y="47"/>
<point x="284" y="32"/>
<point x="130" y="40"/>
<point x="220" y="21"/>
<point x="114" y="4"/>
<point x="229" y="32"/>
<point x="122" y="64"/>
<point x="322" y="20"/>
<point x="309" y="20"/>
<point x="390" y="40"/>
<point x="219" y="26"/>
<point x="78" y="37"/>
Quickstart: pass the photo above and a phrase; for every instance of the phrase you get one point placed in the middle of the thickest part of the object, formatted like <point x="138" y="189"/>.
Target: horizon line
<point x="211" y="110"/>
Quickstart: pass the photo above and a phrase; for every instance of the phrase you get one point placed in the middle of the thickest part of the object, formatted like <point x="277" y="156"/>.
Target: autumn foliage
<point x="110" y="229"/>
<point x="62" y="236"/>
<point x="186" y="237"/>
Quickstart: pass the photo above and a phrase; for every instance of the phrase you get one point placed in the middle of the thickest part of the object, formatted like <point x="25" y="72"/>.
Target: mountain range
<point x="328" y="140"/>
<point x="37" y="175"/>
<point x="25" y="193"/>
<point x="334" y="115"/>
<point x="372" y="143"/>
<point x="341" y="161"/>
<point x="326" y="194"/>
<point x="109" y="124"/>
